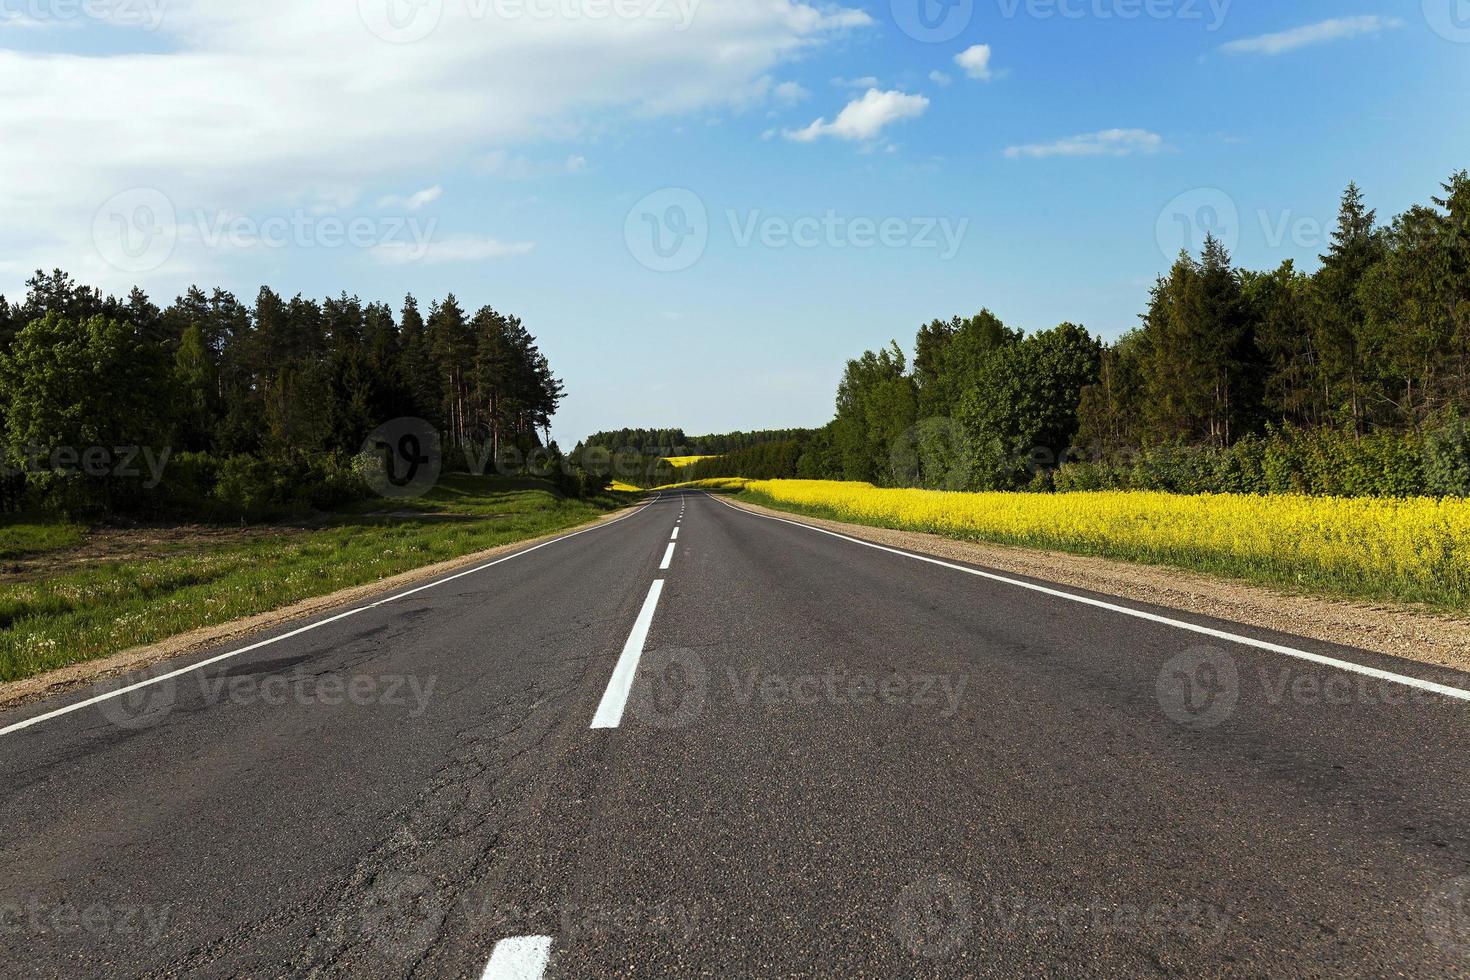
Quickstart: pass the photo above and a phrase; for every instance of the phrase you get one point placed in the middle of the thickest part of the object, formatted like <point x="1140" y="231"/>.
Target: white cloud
<point x="790" y="93"/>
<point x="865" y="82"/>
<point x="1109" y="142"/>
<point x="940" y="78"/>
<point x="459" y="248"/>
<point x="412" y="202"/>
<point x="864" y="118"/>
<point x="505" y="165"/>
<point x="975" y="61"/>
<point x="239" y="110"/>
<point x="1322" y="32"/>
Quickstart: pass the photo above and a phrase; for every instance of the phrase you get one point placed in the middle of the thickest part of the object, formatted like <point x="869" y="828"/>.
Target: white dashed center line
<point x="668" y="558"/>
<point x="676" y="534"/>
<point x="519" y="958"/>
<point x="615" y="698"/>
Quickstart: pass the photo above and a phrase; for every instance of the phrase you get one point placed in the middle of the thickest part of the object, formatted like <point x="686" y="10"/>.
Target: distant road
<point x="698" y="741"/>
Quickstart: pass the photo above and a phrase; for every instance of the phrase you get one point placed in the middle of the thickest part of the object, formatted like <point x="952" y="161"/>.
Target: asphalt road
<point x="797" y="756"/>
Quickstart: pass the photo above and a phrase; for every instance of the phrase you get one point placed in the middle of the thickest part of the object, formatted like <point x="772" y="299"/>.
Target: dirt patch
<point x="75" y="675"/>
<point x="111" y="544"/>
<point x="1409" y="632"/>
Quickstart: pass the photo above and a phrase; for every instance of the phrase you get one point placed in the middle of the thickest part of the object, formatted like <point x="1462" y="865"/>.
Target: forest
<point x="673" y="442"/>
<point x="1349" y="380"/>
<point x="212" y="408"/>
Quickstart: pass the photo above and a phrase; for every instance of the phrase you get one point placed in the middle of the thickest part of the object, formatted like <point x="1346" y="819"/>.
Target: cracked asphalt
<point x="834" y="761"/>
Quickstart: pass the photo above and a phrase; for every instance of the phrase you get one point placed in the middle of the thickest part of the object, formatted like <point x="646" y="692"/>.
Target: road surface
<point x="699" y="741"/>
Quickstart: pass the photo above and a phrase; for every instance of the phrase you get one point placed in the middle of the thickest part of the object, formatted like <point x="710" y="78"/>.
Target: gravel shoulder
<point x="1408" y="632"/>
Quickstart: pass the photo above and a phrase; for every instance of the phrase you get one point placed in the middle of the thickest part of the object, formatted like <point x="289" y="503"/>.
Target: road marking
<point x="668" y="558"/>
<point x="615" y="698"/>
<point x="10" y="729"/>
<point x="1316" y="658"/>
<point x="518" y="958"/>
<point x="676" y="534"/>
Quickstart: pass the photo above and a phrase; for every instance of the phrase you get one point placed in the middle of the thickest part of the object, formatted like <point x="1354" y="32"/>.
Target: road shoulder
<point x="1400" y="631"/>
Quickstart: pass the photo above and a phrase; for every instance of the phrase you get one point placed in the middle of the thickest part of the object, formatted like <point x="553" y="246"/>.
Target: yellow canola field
<point x="1417" y="549"/>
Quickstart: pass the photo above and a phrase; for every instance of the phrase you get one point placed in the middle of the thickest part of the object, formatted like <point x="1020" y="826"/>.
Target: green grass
<point x="19" y="539"/>
<point x="88" y="612"/>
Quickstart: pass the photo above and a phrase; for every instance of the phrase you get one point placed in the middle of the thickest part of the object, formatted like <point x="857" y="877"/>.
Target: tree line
<point x="261" y="406"/>
<point x="673" y="442"/>
<point x="1352" y="379"/>
<point x="639" y="456"/>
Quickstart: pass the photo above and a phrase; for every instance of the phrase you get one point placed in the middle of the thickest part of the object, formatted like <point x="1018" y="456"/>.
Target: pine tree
<point x="1338" y="316"/>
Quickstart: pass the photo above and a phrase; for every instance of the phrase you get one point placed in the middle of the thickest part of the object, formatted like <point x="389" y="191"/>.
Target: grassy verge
<point x="20" y="538"/>
<point x="1415" y="550"/>
<point x="87" y="610"/>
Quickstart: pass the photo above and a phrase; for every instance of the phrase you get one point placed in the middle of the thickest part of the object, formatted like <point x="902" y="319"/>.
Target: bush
<point x="1447" y="458"/>
<point x="245" y="487"/>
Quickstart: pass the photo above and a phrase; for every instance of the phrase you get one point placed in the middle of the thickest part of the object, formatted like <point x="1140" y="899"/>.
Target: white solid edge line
<point x="1317" y="658"/>
<point x="615" y="698"/>
<point x="668" y="558"/>
<point x="518" y="958"/>
<point x="18" y="726"/>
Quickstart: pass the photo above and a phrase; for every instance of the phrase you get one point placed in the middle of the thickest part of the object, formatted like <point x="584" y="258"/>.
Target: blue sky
<point x="823" y="177"/>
